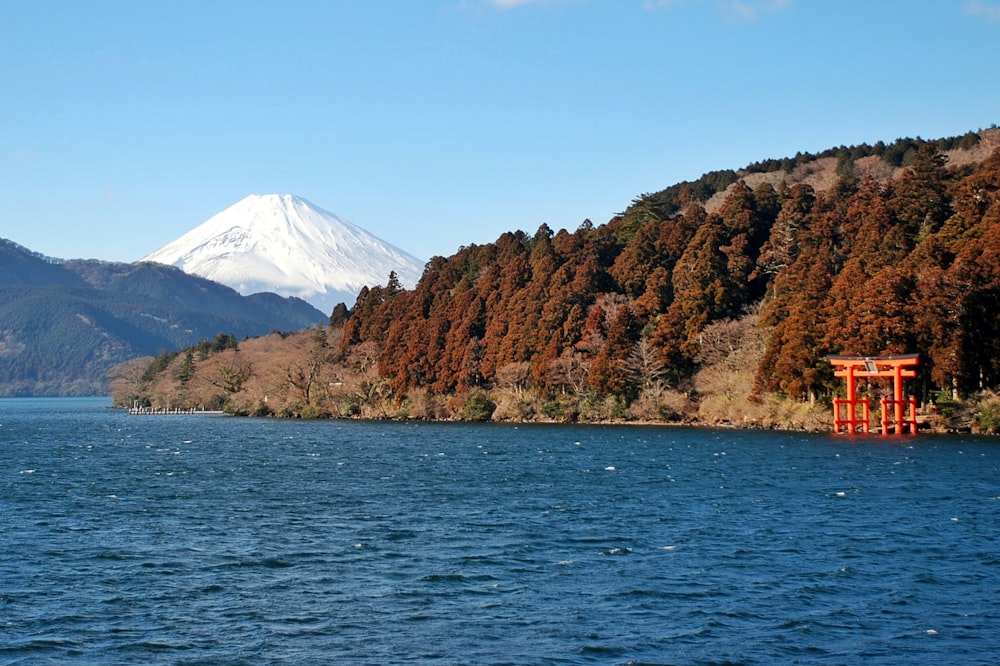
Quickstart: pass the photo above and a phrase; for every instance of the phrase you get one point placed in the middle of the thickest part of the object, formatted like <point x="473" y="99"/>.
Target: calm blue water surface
<point x="211" y="539"/>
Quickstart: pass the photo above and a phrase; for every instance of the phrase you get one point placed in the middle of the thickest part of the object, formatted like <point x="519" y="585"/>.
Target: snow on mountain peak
<point x="285" y="244"/>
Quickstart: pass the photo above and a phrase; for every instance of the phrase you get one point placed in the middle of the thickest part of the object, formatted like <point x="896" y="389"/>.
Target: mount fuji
<point x="286" y="245"/>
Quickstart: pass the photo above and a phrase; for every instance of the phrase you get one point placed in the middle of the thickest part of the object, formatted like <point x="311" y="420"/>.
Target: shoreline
<point x="774" y="427"/>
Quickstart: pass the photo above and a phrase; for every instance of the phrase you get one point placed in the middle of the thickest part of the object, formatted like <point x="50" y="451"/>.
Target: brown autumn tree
<point x="791" y="361"/>
<point x="702" y="293"/>
<point x="609" y="370"/>
<point x="782" y="246"/>
<point x="920" y="199"/>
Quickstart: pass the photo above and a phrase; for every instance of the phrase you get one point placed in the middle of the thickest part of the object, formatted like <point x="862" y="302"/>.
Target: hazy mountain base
<point x="300" y="376"/>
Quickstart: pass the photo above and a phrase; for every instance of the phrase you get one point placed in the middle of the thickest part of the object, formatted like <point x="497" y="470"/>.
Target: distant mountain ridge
<point x="21" y="266"/>
<point x="64" y="324"/>
<point x="287" y="245"/>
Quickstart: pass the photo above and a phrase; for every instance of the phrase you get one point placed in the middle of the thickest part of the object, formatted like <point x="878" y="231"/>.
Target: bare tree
<point x="232" y="373"/>
<point x="514" y="377"/>
<point x="127" y="381"/>
<point x="644" y="367"/>
<point x="305" y="375"/>
<point x="368" y="387"/>
<point x="569" y="373"/>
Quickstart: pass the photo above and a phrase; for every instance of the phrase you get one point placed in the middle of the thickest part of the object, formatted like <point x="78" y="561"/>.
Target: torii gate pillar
<point x="853" y="367"/>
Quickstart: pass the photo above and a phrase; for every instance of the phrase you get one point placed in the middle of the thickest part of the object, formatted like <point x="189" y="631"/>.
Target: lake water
<point x="211" y="539"/>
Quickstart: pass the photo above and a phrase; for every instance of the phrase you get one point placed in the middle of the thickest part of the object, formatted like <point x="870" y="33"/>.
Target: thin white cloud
<point x="745" y="10"/>
<point x="24" y="157"/>
<point x="751" y="10"/>
<point x="512" y="4"/>
<point x="988" y="10"/>
<point x="108" y="198"/>
<point x="651" y="5"/>
<point x="748" y="10"/>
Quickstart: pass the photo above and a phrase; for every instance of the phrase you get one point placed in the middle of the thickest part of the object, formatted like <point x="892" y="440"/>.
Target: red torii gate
<point x="853" y="367"/>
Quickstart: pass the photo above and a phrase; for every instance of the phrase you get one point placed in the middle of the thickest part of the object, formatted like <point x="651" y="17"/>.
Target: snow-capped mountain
<point x="286" y="245"/>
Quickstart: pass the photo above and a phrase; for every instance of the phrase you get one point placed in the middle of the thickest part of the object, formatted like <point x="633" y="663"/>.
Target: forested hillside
<point x="737" y="285"/>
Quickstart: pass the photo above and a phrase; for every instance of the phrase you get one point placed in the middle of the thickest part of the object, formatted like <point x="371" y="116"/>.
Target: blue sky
<point x="439" y="123"/>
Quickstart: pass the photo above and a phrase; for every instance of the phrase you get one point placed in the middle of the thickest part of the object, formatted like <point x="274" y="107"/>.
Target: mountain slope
<point x="19" y="265"/>
<point x="286" y="245"/>
<point x="64" y="324"/>
<point x="172" y="285"/>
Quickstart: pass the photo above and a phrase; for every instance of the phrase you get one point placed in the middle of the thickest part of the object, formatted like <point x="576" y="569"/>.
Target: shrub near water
<point x="989" y="414"/>
<point x="479" y="407"/>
